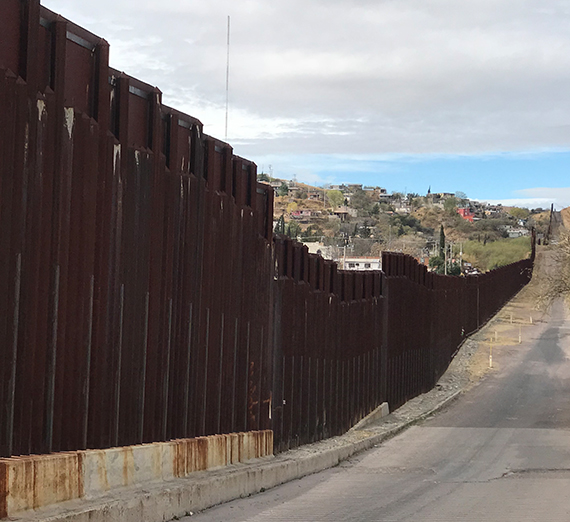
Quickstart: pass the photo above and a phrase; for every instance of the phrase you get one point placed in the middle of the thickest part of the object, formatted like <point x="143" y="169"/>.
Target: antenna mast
<point x="227" y="78"/>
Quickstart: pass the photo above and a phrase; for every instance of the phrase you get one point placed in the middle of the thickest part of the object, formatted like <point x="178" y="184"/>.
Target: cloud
<point x="559" y="196"/>
<point x="539" y="197"/>
<point x="529" y="203"/>
<point x="353" y="76"/>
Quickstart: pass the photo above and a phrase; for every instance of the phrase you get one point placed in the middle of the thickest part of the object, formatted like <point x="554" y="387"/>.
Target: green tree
<point x="312" y="233"/>
<point x="262" y="177"/>
<point x="398" y="196"/>
<point x="362" y="231"/>
<point x="361" y="202"/>
<point x="437" y="263"/>
<point x="519" y="213"/>
<point x="454" y="269"/>
<point x="335" y="197"/>
<point x="293" y="230"/>
<point x="450" y="205"/>
<point x="283" y="190"/>
<point x="441" y="243"/>
<point x="280" y="226"/>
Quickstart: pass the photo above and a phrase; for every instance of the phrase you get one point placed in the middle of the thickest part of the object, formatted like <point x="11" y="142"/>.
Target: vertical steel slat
<point x="145" y="302"/>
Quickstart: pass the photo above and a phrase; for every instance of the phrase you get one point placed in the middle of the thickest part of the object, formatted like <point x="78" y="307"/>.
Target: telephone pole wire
<point x="227" y="78"/>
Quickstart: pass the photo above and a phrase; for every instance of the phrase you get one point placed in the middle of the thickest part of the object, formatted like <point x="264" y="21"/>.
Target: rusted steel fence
<point x="142" y="294"/>
<point x="345" y="341"/>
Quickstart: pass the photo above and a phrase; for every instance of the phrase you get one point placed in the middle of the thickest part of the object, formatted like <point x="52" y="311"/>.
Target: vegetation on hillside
<point x="365" y="221"/>
<point x="552" y="278"/>
<point x="494" y="254"/>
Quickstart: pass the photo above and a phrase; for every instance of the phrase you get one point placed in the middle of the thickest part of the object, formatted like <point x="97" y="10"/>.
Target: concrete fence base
<point x="36" y="481"/>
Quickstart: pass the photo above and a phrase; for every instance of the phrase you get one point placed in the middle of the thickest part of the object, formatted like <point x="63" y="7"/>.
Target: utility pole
<point x="227" y="77"/>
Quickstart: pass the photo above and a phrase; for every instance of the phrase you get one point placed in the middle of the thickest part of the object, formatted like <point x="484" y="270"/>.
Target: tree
<point x="262" y="177"/>
<point x="385" y="207"/>
<point x="398" y="196"/>
<point x="415" y="202"/>
<point x="291" y="207"/>
<point x="293" y="230"/>
<point x="462" y="197"/>
<point x="454" y="269"/>
<point x="437" y="263"/>
<point x="280" y="226"/>
<point x="519" y="213"/>
<point x="450" y="205"/>
<point x="335" y="197"/>
<point x="283" y="190"/>
<point x="312" y="233"/>
<point x="361" y="202"/>
<point x="441" y="243"/>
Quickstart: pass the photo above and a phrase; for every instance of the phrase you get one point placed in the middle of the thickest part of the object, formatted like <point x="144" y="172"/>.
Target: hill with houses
<point x="353" y="224"/>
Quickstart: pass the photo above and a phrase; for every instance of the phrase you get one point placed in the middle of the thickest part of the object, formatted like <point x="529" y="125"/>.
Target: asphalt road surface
<point x="501" y="452"/>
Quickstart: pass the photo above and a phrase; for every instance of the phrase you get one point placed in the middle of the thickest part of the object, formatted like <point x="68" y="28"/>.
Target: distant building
<point x="361" y="263"/>
<point x="301" y="214"/>
<point x="344" y="212"/>
<point x="314" y="194"/>
<point x="466" y="213"/>
<point x="327" y="252"/>
<point x="514" y="232"/>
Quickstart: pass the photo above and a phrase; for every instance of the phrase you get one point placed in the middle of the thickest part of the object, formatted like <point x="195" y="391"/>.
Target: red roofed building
<point x="466" y="213"/>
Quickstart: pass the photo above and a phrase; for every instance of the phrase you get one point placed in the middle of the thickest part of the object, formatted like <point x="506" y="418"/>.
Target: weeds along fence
<point x="143" y="296"/>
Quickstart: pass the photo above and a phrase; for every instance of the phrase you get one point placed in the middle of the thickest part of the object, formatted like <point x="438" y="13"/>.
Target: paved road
<point x="501" y="452"/>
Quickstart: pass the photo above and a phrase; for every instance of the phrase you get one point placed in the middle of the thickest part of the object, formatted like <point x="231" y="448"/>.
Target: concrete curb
<point x="181" y="497"/>
<point x="382" y="411"/>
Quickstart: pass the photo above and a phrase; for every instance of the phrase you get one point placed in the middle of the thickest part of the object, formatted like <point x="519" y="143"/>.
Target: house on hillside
<point x="494" y="210"/>
<point x="375" y="193"/>
<point x="344" y="212"/>
<point x="301" y="214"/>
<point x="361" y="263"/>
<point x="467" y="214"/>
<point x="327" y="252"/>
<point x="514" y="232"/>
<point x="315" y="194"/>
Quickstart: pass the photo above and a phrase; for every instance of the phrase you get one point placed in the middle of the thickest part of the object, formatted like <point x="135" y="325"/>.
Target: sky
<point x="452" y="95"/>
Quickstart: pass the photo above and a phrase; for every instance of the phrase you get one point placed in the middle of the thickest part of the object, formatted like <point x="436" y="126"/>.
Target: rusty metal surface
<point x="37" y="481"/>
<point x="143" y="297"/>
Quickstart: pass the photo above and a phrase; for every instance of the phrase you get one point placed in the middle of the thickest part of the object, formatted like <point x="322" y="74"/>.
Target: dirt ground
<point x="516" y="322"/>
<point x="511" y="326"/>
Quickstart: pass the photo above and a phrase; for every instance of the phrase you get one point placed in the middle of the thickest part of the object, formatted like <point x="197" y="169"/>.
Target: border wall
<point x="143" y="297"/>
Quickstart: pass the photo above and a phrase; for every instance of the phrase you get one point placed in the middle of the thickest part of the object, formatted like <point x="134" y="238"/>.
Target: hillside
<point x="372" y="221"/>
<point x="565" y="213"/>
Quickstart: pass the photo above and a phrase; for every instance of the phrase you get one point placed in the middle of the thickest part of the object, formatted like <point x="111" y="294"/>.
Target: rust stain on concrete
<point x="35" y="481"/>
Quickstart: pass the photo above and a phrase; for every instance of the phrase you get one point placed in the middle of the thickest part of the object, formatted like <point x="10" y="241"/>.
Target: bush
<point x="498" y="253"/>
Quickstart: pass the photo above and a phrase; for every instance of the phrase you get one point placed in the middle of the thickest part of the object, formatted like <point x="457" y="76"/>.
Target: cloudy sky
<point x="456" y="95"/>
